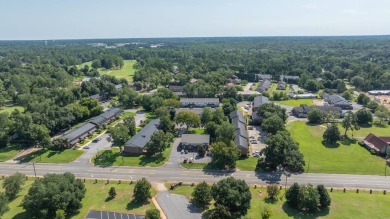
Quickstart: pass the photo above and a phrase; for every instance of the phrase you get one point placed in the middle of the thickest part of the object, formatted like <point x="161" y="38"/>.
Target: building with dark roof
<point x="378" y="144"/>
<point x="176" y="89"/>
<point x="337" y="101"/>
<point x="192" y="142"/>
<point x="303" y="111"/>
<point x="264" y="86"/>
<point x="137" y="144"/>
<point x="281" y="85"/>
<point x="79" y="134"/>
<point x="240" y="133"/>
<point x="263" y="77"/>
<point x="258" y="101"/>
<point x="199" y="102"/>
<point x="107" y="116"/>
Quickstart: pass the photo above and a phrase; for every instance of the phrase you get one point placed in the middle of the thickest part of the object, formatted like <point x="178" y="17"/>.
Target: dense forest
<point x="39" y="75"/>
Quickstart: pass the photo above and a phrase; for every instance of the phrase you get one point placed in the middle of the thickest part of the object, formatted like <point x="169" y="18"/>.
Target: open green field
<point x="95" y="199"/>
<point x="127" y="72"/>
<point x="344" y="205"/>
<point x="375" y="128"/>
<point x="343" y="157"/>
<point x="51" y="156"/>
<point x="273" y="89"/>
<point x="10" y="109"/>
<point x="8" y="153"/>
<point x="113" y="158"/>
<point x="299" y="102"/>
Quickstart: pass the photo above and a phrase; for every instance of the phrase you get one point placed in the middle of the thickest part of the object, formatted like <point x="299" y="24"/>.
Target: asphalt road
<point x="162" y="174"/>
<point x="177" y="206"/>
<point x="93" y="150"/>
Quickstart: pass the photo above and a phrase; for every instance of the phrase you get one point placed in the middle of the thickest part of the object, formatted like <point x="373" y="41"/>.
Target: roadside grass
<point x="9" y="152"/>
<point x="52" y="156"/>
<point x="113" y="158"/>
<point x="299" y="102"/>
<point x="96" y="198"/>
<point x="247" y="164"/>
<point x="126" y="72"/>
<point x="196" y="131"/>
<point x="375" y="128"/>
<point x="346" y="157"/>
<point x="343" y="205"/>
<point x="10" y="109"/>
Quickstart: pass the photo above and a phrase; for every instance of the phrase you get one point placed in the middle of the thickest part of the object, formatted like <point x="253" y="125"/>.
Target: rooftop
<point x="79" y="131"/>
<point x="195" y="139"/>
<point x="143" y="136"/>
<point x="260" y="100"/>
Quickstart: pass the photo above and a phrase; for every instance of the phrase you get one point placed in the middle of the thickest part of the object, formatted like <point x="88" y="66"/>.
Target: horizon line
<point x="189" y="37"/>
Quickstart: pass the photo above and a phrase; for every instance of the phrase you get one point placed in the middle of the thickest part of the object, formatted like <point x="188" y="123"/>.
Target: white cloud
<point x="311" y="6"/>
<point x="351" y="11"/>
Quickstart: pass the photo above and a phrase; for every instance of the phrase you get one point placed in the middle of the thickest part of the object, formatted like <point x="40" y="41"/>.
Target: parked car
<point x="186" y="151"/>
<point x="252" y="137"/>
<point x="253" y="142"/>
<point x="190" y="160"/>
<point x="256" y="155"/>
<point x="86" y="147"/>
<point x="185" y="160"/>
<point x="182" y="151"/>
<point x="250" y="127"/>
<point x="96" y="140"/>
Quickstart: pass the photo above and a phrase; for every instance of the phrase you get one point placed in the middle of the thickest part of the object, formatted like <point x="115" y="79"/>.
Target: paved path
<point x="177" y="206"/>
<point x="174" y="157"/>
<point x="139" y="115"/>
<point x="94" y="148"/>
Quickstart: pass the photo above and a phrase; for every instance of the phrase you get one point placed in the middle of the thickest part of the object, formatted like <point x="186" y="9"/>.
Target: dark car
<point x="96" y="140"/>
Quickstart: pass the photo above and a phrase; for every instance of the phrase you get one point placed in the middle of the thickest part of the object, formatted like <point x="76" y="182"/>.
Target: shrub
<point x="266" y="212"/>
<point x="273" y="191"/>
<point x="152" y="214"/>
<point x="324" y="197"/>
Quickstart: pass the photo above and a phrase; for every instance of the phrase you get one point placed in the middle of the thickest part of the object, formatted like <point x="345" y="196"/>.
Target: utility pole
<point x="35" y="173"/>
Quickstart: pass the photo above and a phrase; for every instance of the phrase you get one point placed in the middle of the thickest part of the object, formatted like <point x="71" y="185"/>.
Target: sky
<point x="91" y="19"/>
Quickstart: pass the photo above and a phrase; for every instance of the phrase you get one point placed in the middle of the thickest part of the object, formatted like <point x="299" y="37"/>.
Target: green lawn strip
<point x="344" y="157"/>
<point x="10" y="109"/>
<point x="113" y="158"/>
<point x="376" y="128"/>
<point x="9" y="152"/>
<point x="299" y="102"/>
<point x="95" y="199"/>
<point x="247" y="164"/>
<point x="51" y="156"/>
<point x="150" y="115"/>
<point x="127" y="71"/>
<point x="196" y="131"/>
<point x="344" y="205"/>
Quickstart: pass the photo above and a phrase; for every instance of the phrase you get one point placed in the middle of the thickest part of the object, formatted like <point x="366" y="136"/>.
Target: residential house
<point x="192" y="142"/>
<point x="247" y="94"/>
<point x="263" y="77"/>
<point x="281" y="85"/>
<point x="137" y="144"/>
<point x="303" y="111"/>
<point x="295" y="88"/>
<point x="178" y="90"/>
<point x="234" y="80"/>
<point x="378" y="144"/>
<point x="79" y="134"/>
<point x="199" y="102"/>
<point x="302" y="96"/>
<point x="288" y="78"/>
<point x="118" y="86"/>
<point x="264" y="86"/>
<point x="337" y="101"/>
<point x="193" y="80"/>
<point x="197" y="111"/>
<point x="379" y="92"/>
<point x="240" y="133"/>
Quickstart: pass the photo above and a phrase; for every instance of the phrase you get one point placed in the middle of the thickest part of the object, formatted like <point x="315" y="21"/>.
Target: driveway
<point x="139" y="115"/>
<point x="94" y="148"/>
<point x="248" y="87"/>
<point x="260" y="138"/>
<point x="177" y="206"/>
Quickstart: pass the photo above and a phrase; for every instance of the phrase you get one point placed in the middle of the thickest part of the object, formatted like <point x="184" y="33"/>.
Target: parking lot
<point x="257" y="135"/>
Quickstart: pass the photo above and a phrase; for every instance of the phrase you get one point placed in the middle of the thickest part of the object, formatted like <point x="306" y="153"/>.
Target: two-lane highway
<point x="180" y="174"/>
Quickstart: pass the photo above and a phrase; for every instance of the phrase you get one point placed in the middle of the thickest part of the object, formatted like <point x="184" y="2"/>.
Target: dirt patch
<point x="317" y="102"/>
<point x="383" y="99"/>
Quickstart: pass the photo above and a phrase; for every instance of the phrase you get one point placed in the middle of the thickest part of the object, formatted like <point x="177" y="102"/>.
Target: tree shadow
<point x="106" y="158"/>
<point x="29" y="157"/>
<point x="348" y="141"/>
<point x="156" y="159"/>
<point x="303" y="215"/>
<point x="21" y="215"/>
<point x="134" y="205"/>
<point x="330" y="145"/>
<point x="109" y="198"/>
<point x="269" y="200"/>
<point x="270" y="176"/>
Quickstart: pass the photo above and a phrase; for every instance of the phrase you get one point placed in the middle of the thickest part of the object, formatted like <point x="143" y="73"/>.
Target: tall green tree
<point x="233" y="194"/>
<point x="130" y="124"/>
<point x="273" y="124"/>
<point x="157" y="144"/>
<point x="119" y="134"/>
<point x="364" y="116"/>
<point x="3" y="203"/>
<point x="332" y="134"/>
<point x="201" y="196"/>
<point x="141" y="191"/>
<point x="152" y="214"/>
<point x="315" y="116"/>
<point x="224" y="155"/>
<point x="350" y="122"/>
<point x="206" y="116"/>
<point x="325" y="199"/>
<point x="190" y="119"/>
<point x="382" y="113"/>
<point x="13" y="185"/>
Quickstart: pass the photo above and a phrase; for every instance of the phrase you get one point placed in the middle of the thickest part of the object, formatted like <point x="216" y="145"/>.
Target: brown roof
<point x="375" y="142"/>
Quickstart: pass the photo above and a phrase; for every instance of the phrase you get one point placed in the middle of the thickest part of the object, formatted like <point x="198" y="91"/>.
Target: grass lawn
<point x="375" y="128"/>
<point x="50" y="156"/>
<point x="247" y="164"/>
<point x="113" y="158"/>
<point x="10" y="109"/>
<point x="95" y="199"/>
<point x="344" y="205"/>
<point x="8" y="153"/>
<point x="299" y="102"/>
<point x="126" y="72"/>
<point x="196" y="131"/>
<point x="344" y="157"/>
